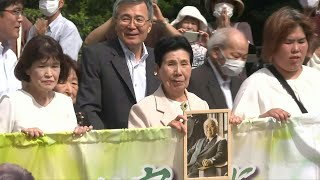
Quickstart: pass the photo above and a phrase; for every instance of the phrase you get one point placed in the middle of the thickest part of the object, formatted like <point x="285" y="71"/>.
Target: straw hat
<point x="238" y="6"/>
<point x="192" y="12"/>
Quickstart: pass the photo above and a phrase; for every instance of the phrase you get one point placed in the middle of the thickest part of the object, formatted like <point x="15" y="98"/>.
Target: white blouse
<point x="262" y="91"/>
<point x="20" y="110"/>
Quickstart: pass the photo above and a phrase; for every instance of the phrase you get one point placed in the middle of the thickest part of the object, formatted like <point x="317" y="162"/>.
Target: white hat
<point x="192" y="12"/>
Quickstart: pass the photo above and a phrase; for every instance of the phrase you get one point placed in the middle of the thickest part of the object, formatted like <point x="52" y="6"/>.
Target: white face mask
<point x="220" y="6"/>
<point x="309" y="3"/>
<point x="232" y="67"/>
<point x="48" y="7"/>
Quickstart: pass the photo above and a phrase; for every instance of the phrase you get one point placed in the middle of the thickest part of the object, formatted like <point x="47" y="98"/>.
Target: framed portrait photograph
<point x="207" y="146"/>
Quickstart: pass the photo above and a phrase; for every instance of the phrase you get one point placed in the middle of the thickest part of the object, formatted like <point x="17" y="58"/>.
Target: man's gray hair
<point x="220" y="38"/>
<point x="119" y="2"/>
<point x="214" y="120"/>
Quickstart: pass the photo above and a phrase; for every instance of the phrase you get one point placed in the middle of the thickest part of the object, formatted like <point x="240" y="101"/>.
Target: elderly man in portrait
<point x="10" y="20"/>
<point x="208" y="151"/>
<point x="119" y="72"/>
<point x="217" y="81"/>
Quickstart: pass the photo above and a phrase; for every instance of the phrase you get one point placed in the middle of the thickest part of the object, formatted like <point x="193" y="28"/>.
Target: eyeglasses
<point x="138" y="21"/>
<point x="16" y="12"/>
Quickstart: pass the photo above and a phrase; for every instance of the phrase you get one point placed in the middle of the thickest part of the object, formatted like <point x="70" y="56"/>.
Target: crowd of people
<point x="122" y="82"/>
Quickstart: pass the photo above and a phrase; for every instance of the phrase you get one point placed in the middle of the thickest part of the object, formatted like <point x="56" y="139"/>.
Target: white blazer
<point x="155" y="110"/>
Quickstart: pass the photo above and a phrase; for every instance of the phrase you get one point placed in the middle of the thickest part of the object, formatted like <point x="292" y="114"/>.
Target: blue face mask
<point x="232" y="67"/>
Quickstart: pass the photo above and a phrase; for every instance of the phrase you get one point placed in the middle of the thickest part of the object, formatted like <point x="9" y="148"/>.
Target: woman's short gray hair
<point x="119" y="2"/>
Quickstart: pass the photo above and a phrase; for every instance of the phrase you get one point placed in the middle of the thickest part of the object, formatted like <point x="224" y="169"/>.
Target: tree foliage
<point x="89" y="14"/>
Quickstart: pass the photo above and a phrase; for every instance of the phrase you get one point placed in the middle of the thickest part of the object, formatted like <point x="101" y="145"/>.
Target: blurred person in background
<point x="58" y="27"/>
<point x="223" y="11"/>
<point x="189" y="19"/>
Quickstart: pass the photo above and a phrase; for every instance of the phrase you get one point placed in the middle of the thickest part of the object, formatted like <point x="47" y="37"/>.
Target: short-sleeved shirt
<point x="20" y="110"/>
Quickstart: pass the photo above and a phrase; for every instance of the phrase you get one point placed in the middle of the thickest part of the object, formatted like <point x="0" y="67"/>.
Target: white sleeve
<point x="137" y="118"/>
<point x="6" y="115"/>
<point x="71" y="42"/>
<point x="246" y="103"/>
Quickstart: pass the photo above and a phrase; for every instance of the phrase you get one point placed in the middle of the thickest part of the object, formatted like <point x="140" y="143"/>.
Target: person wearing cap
<point x="190" y="19"/>
<point x="58" y="27"/>
<point x="223" y="10"/>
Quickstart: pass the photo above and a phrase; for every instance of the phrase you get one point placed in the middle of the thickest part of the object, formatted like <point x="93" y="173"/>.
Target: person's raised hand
<point x="157" y="14"/>
<point x="41" y="26"/>
<point x="204" y="38"/>
<point x="223" y="20"/>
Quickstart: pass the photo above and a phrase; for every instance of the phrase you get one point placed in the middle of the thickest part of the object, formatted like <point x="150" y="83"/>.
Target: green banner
<point x="268" y="149"/>
<point x="261" y="149"/>
<point x="105" y="154"/>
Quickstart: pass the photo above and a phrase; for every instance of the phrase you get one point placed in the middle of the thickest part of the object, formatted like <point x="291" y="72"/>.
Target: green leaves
<point x="242" y="173"/>
<point x="89" y="14"/>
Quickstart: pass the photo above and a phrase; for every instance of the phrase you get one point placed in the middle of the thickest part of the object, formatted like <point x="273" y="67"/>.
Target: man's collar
<point x="218" y="75"/>
<point x="54" y="22"/>
<point x="126" y="50"/>
<point x="215" y="136"/>
<point x="4" y="46"/>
